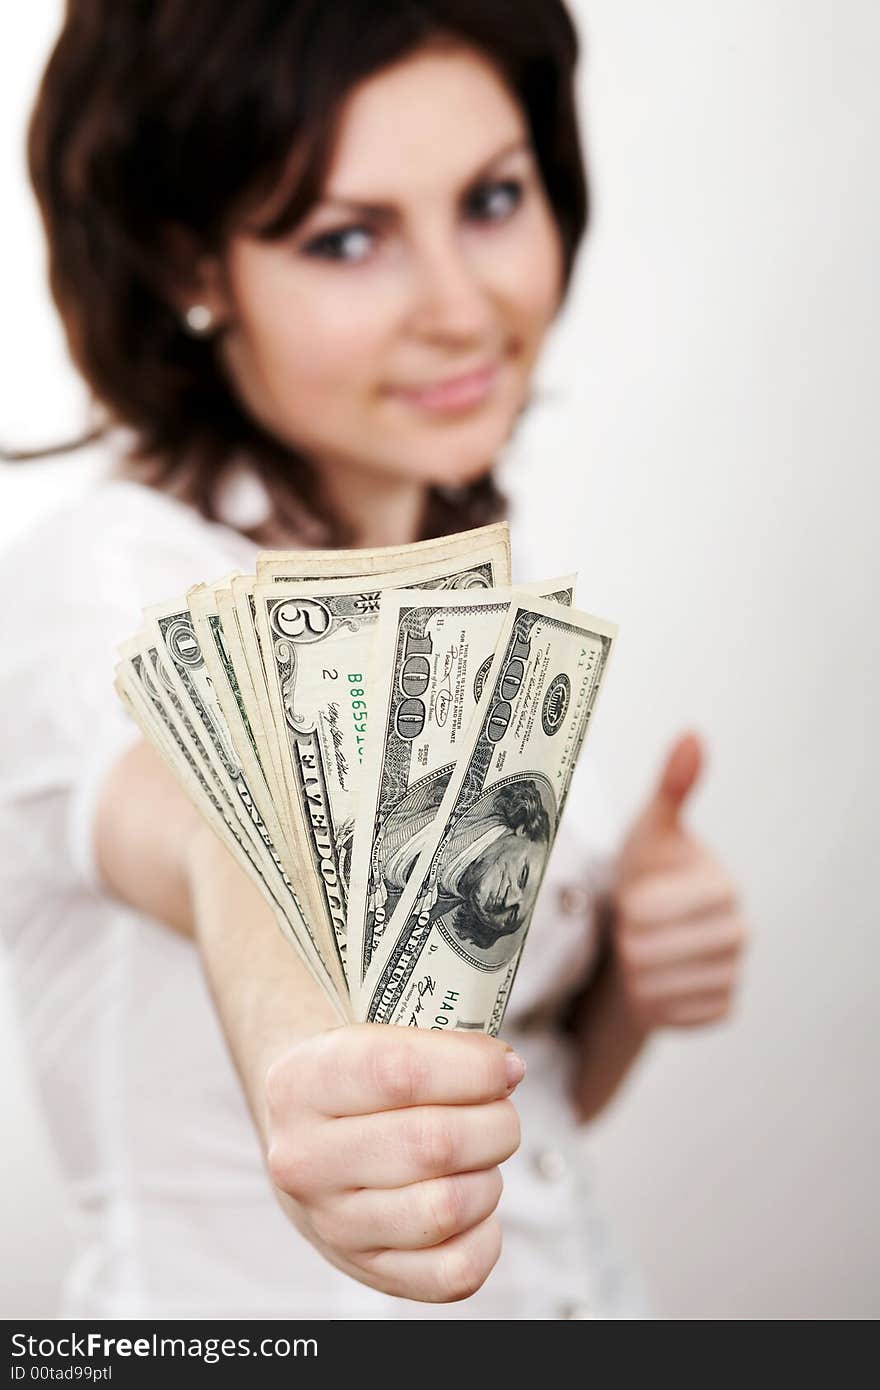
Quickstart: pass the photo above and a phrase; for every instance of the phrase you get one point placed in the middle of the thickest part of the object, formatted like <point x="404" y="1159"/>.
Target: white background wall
<point x="709" y="465"/>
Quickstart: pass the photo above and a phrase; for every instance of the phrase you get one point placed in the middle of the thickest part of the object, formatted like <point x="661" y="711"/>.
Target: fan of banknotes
<point x="384" y="740"/>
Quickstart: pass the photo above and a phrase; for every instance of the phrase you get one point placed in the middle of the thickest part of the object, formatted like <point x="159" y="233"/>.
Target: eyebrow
<point x="387" y="211"/>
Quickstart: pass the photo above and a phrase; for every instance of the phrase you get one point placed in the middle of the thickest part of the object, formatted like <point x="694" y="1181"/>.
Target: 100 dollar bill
<point x="451" y="950"/>
<point x="431" y="655"/>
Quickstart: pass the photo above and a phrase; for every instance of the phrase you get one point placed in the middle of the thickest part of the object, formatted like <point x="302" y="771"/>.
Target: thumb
<point x="681" y="772"/>
<point x="655" y="841"/>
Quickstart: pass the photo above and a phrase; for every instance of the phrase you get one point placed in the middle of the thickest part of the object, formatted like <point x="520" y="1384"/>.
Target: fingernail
<point x="515" y="1068"/>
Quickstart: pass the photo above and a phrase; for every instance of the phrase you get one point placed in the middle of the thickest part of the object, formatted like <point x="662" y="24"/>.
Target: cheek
<point x="303" y="333"/>
<point x="319" y="343"/>
<point x="542" y="284"/>
<point x="525" y="265"/>
<point x="489" y="879"/>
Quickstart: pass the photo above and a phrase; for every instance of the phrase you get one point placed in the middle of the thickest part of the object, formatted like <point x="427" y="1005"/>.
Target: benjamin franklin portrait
<point x="490" y="869"/>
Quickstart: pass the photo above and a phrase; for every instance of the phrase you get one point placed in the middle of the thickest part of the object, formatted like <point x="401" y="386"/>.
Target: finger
<point x="698" y="1011"/>
<point x="368" y="1067"/>
<point x="443" y="1274"/>
<point x="408" y="1218"/>
<point x="657" y="899"/>
<point x="717" y="937"/>
<point x="396" y="1147"/>
<point x="684" y="982"/>
<point x="679" y="776"/>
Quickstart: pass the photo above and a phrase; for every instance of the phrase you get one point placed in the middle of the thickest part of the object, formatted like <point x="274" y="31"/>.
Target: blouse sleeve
<point x="70" y="591"/>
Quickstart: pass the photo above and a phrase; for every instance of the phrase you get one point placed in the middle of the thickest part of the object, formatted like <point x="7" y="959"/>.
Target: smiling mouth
<point x="455" y="392"/>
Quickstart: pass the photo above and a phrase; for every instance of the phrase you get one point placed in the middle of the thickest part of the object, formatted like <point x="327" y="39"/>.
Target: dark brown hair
<point x="160" y="123"/>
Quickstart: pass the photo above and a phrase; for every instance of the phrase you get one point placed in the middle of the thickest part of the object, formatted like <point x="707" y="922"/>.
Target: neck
<point x="380" y="510"/>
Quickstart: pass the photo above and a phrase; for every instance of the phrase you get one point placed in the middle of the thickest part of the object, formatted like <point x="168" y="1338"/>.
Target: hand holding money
<point x="384" y="740"/>
<point x="385" y="1145"/>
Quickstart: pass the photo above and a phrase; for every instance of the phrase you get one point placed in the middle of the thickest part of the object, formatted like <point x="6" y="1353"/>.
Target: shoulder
<point x="119" y="543"/>
<point x="116" y="510"/>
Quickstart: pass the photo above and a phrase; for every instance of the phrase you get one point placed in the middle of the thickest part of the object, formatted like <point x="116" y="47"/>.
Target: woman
<point x="306" y="254"/>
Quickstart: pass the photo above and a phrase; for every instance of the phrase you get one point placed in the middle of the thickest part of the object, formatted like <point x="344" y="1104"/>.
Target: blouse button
<point x="573" y="901"/>
<point x="550" y="1165"/>
<point x="578" y="1312"/>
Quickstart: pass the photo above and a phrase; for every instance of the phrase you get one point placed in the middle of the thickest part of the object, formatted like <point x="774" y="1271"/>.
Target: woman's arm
<point x="266" y="997"/>
<point x="144" y="826"/>
<point x="156" y="853"/>
<point x="608" y="1037"/>
<point x="673" y="937"/>
<point x="383" y="1145"/>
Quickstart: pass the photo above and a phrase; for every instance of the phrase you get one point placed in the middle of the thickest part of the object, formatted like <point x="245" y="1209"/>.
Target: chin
<point x="455" y="475"/>
<point x="458" y="463"/>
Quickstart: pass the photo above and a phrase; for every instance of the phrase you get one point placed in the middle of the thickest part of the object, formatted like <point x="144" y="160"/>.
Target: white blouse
<point x="173" y="1209"/>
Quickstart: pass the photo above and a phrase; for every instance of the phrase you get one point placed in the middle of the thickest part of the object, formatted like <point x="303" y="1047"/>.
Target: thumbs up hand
<point x="678" y="932"/>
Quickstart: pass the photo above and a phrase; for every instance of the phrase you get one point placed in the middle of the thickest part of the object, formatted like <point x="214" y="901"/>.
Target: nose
<point x="452" y="303"/>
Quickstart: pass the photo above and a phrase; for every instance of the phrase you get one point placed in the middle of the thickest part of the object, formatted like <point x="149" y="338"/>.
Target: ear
<point x="194" y="276"/>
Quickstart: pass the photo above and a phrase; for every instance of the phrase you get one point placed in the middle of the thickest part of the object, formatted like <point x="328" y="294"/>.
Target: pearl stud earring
<point x="199" y="320"/>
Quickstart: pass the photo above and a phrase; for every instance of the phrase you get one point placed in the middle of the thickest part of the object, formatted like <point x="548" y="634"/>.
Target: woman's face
<point x="395" y="330"/>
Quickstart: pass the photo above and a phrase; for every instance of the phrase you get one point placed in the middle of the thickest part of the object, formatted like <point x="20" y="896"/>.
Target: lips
<point x="453" y="393"/>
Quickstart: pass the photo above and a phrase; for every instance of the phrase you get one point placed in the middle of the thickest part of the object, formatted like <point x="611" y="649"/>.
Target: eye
<point x="524" y="876"/>
<point x="349" y="244"/>
<point x="494" y="201"/>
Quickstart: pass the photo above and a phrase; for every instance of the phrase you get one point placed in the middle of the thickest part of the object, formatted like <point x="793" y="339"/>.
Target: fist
<point x="384" y="1147"/>
<point x="678" y="932"/>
